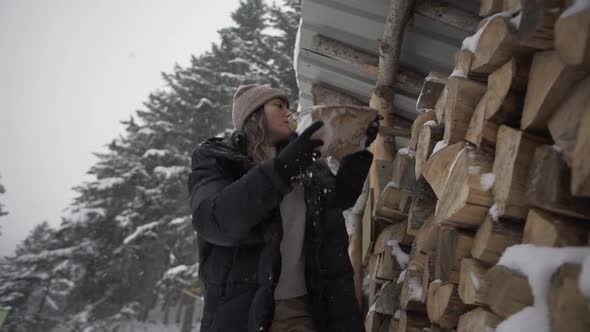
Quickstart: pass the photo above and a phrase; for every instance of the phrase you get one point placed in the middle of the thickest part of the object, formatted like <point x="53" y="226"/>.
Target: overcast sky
<point x="69" y="72"/>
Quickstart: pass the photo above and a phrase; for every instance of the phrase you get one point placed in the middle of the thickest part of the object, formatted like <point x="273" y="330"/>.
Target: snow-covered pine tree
<point x="2" y="210"/>
<point x="135" y="252"/>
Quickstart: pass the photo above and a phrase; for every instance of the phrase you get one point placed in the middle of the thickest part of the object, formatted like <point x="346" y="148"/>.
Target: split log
<point x="452" y="246"/>
<point x="373" y="321"/>
<point x="550" y="80"/>
<point x="429" y="136"/>
<point x="508" y="291"/>
<point x="514" y="151"/>
<point x="572" y="37"/>
<point x="367" y="230"/>
<point x="426" y="240"/>
<point x="463" y="96"/>
<point x="420" y="210"/>
<point x="548" y="229"/>
<point x="565" y="122"/>
<point x="412" y="322"/>
<point x="569" y="309"/>
<point x="537" y="21"/>
<point x="463" y="61"/>
<point x="511" y="6"/>
<point x="387" y="267"/>
<point x="441" y="104"/>
<point x="548" y="183"/>
<point x="493" y="237"/>
<point x="430" y="92"/>
<point x="498" y="105"/>
<point x="437" y="168"/>
<point x="580" y="183"/>
<point x="465" y="200"/>
<point x="413" y="293"/>
<point x="395" y="232"/>
<point x="388" y="207"/>
<point x="444" y="306"/>
<point x="405" y="202"/>
<point x="478" y="320"/>
<point x="472" y="283"/>
<point x="498" y="43"/>
<point x="489" y="7"/>
<point x="404" y="175"/>
<point x="387" y="300"/>
<point x="417" y="126"/>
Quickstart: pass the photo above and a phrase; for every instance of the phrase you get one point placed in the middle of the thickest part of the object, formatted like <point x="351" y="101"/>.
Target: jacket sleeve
<point x="350" y="178"/>
<point x="224" y="211"/>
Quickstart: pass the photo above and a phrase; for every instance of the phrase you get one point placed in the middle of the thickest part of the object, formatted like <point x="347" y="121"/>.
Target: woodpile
<point x="498" y="159"/>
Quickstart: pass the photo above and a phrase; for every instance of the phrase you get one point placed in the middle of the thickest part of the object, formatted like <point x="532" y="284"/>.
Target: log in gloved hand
<point x="298" y="155"/>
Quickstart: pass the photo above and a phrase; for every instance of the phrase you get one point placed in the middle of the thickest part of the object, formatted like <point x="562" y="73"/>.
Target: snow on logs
<point x="503" y="145"/>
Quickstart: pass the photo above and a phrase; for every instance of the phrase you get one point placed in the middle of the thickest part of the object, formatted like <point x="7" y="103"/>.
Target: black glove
<point x="373" y="130"/>
<point x="350" y="178"/>
<point x="298" y="155"/>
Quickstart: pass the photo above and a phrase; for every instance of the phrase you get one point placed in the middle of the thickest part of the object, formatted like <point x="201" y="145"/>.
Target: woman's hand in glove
<point x="298" y="155"/>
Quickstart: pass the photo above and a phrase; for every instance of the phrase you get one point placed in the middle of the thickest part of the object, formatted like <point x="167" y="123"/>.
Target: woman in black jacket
<point x="272" y="239"/>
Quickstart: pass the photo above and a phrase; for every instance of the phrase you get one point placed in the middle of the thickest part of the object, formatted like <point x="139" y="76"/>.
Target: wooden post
<point x="493" y="237"/>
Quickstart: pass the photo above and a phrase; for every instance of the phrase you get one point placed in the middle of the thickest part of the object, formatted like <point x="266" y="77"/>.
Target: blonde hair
<point x="256" y="131"/>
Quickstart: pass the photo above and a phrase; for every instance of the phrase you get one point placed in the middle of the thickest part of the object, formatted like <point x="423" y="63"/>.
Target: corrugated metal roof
<point x="429" y="45"/>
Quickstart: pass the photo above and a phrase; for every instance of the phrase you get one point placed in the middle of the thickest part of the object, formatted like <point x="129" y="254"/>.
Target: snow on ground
<point x="523" y="258"/>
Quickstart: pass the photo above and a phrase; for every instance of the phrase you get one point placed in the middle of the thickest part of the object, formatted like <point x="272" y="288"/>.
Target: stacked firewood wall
<point x="499" y="155"/>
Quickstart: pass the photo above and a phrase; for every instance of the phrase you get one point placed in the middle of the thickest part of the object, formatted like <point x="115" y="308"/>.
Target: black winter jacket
<point x="235" y="210"/>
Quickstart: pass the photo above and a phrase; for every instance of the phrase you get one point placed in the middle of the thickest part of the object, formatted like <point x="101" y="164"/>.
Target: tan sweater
<point x="292" y="278"/>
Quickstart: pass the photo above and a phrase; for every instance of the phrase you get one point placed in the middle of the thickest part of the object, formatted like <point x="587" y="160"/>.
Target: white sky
<point x="69" y="71"/>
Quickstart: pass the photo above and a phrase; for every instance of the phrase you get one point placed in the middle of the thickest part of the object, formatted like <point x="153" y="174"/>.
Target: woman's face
<point x="277" y="116"/>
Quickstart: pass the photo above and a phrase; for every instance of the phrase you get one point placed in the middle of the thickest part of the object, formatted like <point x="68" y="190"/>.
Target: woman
<point x="272" y="239"/>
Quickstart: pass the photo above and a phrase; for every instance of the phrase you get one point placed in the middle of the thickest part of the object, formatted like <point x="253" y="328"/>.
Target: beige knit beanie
<point x="248" y="98"/>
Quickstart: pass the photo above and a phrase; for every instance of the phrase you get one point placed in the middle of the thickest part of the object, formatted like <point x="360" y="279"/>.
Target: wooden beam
<point x="508" y="292"/>
<point x="514" y="151"/>
<point x="569" y="309"/>
<point x="447" y="14"/>
<point x="548" y="183"/>
<point x="572" y="37"/>
<point x="493" y="237"/>
<point x="550" y="80"/>
<point x="543" y="228"/>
